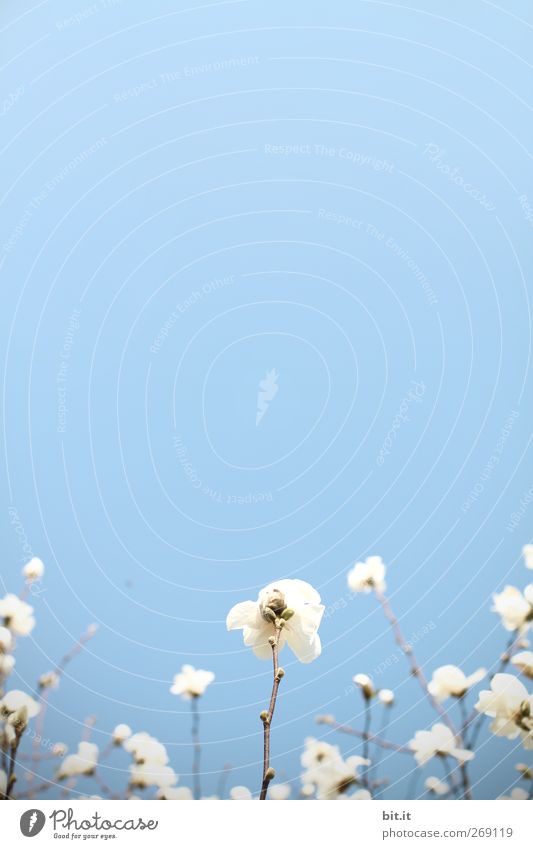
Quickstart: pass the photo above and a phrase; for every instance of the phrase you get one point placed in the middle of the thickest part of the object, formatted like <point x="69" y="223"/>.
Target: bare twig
<point x="372" y="738"/>
<point x="266" y="716"/>
<point x="197" y="749"/>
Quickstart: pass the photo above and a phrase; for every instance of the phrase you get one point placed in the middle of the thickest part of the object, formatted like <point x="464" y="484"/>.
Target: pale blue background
<point x="174" y="188"/>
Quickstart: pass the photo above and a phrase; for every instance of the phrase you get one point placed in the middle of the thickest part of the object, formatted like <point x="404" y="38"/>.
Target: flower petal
<point x="242" y="615"/>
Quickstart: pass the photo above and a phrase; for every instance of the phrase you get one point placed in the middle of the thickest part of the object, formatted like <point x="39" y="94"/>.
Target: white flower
<point x="33" y="570"/>
<point x="82" y="763"/>
<point x="301" y="605"/>
<point x="436" y="786"/>
<point x="279" y="792"/>
<point x="148" y="774"/>
<point x="527" y="553"/>
<point x="307" y="790"/>
<point x="327" y="770"/>
<point x="439" y="741"/>
<point x="524" y="661"/>
<point x="367" y="576"/>
<point x="514" y="607"/>
<point x="121" y="733"/>
<point x="6" y="639"/>
<point x="365" y="683"/>
<point x="17" y="615"/>
<point x="7" y="664"/>
<point x="191" y="682"/>
<point x="517" y="794"/>
<point x="146" y="749"/>
<point x="3" y="783"/>
<point x="49" y="681"/>
<point x="59" y="750"/>
<point x="451" y="681"/>
<point x="510" y="705"/>
<point x="15" y="700"/>
<point x="240" y="794"/>
<point x="386" y="697"/>
<point x="360" y="795"/>
<point x="182" y="794"/>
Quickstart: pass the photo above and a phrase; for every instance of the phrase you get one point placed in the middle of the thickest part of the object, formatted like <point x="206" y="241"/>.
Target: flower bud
<point x="525" y="708"/>
<point x="269" y="614"/>
<point x="270" y="774"/>
<point x="280" y="672"/>
<point x="19" y="720"/>
<point x="263" y="715"/>
<point x="287" y="614"/>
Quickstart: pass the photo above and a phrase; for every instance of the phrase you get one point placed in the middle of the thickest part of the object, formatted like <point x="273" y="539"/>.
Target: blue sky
<point x="191" y="199"/>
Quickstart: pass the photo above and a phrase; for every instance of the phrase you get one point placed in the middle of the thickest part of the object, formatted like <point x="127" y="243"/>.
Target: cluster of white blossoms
<point x="510" y="706"/>
<point x="150" y="762"/>
<point x="191" y="683"/>
<point x="292" y="602"/>
<point x="17" y="615"/>
<point x="83" y="762"/>
<point x="330" y="776"/>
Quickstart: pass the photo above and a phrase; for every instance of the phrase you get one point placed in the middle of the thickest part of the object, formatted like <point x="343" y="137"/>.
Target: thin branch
<point x="197" y="748"/>
<point x="372" y="738"/>
<point x="266" y="716"/>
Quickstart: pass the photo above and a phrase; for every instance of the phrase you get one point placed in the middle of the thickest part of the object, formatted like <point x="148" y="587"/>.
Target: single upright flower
<point x="527" y="553"/>
<point x="33" y="570"/>
<point x="240" y="794"/>
<point x="386" y="697"/>
<point x="121" y="733"/>
<point x="16" y="615"/>
<point x="146" y="749"/>
<point x="191" y="683"/>
<point x="365" y="683"/>
<point x="436" y="786"/>
<point x="439" y="741"/>
<point x="49" y="681"/>
<point x="524" y="661"/>
<point x="514" y="607"/>
<point x="510" y="706"/>
<point x="451" y="681"/>
<point x="368" y="576"/>
<point x="292" y="601"/>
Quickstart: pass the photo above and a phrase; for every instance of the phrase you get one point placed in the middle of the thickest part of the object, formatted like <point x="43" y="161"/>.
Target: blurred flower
<point x="279" y="792"/>
<point x="59" y="750"/>
<point x="527" y="553"/>
<point x="367" y="576"/>
<point x="439" y="741"/>
<point x="17" y="615"/>
<point x="191" y="682"/>
<point x="146" y="749"/>
<point x="33" y="570"/>
<point x="182" y="794"/>
<point x="524" y="661"/>
<point x="386" y="697"/>
<point x="240" y="794"/>
<point x="6" y="639"/>
<point x="307" y="790"/>
<point x="82" y="763"/>
<point x="7" y="664"/>
<point x="16" y="699"/>
<point x="3" y="783"/>
<point x="360" y="795"/>
<point x="510" y="705"/>
<point x="295" y="603"/>
<point x="49" y="681"/>
<point x="451" y="681"/>
<point x="517" y="794"/>
<point x="326" y="769"/>
<point x="152" y="774"/>
<point x="514" y="607"/>
<point x="436" y="786"/>
<point x="365" y="683"/>
<point x="121" y="733"/>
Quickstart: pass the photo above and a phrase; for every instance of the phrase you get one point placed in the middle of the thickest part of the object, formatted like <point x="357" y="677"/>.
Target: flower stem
<point x="197" y="748"/>
<point x="268" y="773"/>
<point x="373" y="738"/>
<point x="366" y="744"/>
